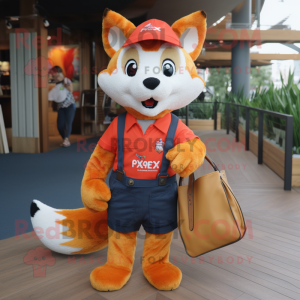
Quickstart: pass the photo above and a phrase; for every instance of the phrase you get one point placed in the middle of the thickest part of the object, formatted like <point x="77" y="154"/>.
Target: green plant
<point x="284" y="100"/>
<point x="203" y="111"/>
<point x="220" y="79"/>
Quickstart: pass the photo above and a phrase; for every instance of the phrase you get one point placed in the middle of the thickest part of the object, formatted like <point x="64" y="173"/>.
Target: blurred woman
<point x="62" y="95"/>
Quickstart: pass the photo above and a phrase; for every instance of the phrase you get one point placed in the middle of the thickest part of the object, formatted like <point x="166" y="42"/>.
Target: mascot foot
<point x="109" y="278"/>
<point x="120" y="257"/>
<point x="156" y="266"/>
<point x="163" y="276"/>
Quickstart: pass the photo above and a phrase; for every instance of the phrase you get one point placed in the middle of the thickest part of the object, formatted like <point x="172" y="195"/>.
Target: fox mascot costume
<point x="150" y="75"/>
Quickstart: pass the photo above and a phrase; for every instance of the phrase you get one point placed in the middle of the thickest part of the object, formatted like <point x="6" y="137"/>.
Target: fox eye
<point x="131" y="68"/>
<point x="168" y="67"/>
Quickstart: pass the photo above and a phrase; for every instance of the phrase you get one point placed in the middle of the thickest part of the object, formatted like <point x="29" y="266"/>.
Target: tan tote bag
<point x="208" y="214"/>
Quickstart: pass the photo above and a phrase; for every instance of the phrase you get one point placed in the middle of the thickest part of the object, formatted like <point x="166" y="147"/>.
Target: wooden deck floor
<point x="264" y="265"/>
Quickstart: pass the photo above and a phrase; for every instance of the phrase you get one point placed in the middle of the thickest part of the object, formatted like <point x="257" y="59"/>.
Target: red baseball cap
<point x="153" y="30"/>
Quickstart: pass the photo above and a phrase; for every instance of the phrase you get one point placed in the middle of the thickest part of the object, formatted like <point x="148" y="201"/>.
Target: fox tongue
<point x="149" y="102"/>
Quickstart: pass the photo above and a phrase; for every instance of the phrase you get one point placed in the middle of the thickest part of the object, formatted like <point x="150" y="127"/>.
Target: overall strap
<point x="121" y="129"/>
<point x="168" y="145"/>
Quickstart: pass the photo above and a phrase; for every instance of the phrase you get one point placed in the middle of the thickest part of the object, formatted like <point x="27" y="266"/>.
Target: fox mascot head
<point x="152" y="73"/>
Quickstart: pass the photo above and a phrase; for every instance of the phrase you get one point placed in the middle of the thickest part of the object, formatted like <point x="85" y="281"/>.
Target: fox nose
<point x="151" y="83"/>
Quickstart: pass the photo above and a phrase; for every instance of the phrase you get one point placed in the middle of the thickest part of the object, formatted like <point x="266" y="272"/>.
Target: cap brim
<point x="170" y="41"/>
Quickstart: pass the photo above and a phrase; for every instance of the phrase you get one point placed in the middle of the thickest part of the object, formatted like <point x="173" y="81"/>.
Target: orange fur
<point x="111" y="19"/>
<point x="88" y="230"/>
<point x="146" y="46"/>
<point x="94" y="191"/>
<point x="198" y="20"/>
<point x="190" y="66"/>
<point x="187" y="157"/>
<point x="120" y="257"/>
<point x="112" y="65"/>
<point x="156" y="266"/>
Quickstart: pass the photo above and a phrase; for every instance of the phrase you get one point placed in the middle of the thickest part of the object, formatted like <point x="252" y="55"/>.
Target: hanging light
<point x="8" y="25"/>
<point x="46" y="22"/>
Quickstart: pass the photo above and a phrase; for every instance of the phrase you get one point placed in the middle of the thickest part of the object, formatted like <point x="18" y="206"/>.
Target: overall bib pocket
<point x="163" y="205"/>
<point x="121" y="206"/>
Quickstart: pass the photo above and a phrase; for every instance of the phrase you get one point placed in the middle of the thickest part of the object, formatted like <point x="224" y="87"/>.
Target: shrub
<point x="284" y="100"/>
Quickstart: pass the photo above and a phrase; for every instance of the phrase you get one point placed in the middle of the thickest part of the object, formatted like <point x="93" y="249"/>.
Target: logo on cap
<point x="150" y="27"/>
<point x="153" y="30"/>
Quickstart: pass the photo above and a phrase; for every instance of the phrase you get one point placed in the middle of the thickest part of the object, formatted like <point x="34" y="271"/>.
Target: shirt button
<point x="131" y="182"/>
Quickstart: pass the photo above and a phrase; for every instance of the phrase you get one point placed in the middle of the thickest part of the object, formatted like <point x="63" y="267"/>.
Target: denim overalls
<point x="148" y="202"/>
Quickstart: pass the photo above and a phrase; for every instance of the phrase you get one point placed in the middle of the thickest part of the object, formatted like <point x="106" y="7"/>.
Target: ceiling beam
<point x="227" y="63"/>
<point x="268" y="36"/>
<point x="254" y="56"/>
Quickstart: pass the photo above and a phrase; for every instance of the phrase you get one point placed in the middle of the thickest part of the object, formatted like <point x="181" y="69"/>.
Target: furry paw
<point x="164" y="276"/>
<point x="186" y="157"/>
<point x="95" y="193"/>
<point x="109" y="278"/>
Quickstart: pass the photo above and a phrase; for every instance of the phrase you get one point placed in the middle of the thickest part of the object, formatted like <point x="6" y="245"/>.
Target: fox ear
<point x="115" y="30"/>
<point x="191" y="31"/>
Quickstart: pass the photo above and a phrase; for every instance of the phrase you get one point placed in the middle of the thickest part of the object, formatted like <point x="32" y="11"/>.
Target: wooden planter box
<point x="204" y="124"/>
<point x="273" y="156"/>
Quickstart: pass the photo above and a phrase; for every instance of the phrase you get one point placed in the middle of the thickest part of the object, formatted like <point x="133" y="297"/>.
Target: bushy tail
<point x="69" y="231"/>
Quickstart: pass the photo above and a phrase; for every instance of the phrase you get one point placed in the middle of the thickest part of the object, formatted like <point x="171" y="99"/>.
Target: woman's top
<point x="61" y="95"/>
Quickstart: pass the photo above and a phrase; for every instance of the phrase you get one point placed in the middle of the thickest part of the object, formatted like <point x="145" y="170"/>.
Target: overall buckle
<point x="120" y="174"/>
<point x="162" y="180"/>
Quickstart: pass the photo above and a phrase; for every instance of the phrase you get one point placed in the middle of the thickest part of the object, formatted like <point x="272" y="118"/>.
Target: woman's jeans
<point x="65" y="119"/>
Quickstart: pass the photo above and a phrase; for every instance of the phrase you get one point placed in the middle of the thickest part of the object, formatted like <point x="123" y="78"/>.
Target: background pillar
<point x="240" y="52"/>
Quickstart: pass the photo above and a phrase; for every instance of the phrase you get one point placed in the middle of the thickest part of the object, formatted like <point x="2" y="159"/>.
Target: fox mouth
<point x="150" y="103"/>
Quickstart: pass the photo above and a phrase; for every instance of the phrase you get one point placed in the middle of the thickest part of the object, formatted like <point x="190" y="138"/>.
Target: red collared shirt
<point x="143" y="153"/>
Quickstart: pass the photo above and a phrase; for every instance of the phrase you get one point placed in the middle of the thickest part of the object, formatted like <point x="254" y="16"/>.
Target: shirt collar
<point x="130" y="120"/>
<point x="162" y="124"/>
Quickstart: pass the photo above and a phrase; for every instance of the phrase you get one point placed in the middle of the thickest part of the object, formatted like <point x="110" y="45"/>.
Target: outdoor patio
<point x="264" y="265"/>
